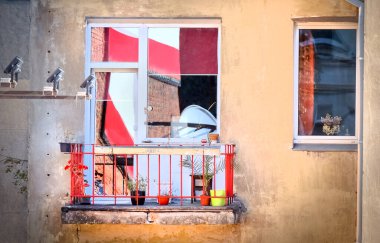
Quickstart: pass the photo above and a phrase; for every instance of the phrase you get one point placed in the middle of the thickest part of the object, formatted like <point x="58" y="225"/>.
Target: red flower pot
<point x="205" y="200"/>
<point x="163" y="200"/>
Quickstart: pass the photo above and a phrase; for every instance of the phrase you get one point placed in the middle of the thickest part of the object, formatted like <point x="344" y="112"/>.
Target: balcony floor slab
<point x="152" y="213"/>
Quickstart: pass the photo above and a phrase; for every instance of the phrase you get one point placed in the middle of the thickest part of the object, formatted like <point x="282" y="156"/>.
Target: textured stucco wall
<point x="291" y="196"/>
<point x="14" y="40"/>
<point x="371" y="135"/>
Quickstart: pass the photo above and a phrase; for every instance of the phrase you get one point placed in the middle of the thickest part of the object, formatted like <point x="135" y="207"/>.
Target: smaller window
<point x="326" y="96"/>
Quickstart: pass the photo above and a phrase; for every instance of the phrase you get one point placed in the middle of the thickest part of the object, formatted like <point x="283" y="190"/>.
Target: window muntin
<point x="146" y="127"/>
<point x="326" y="83"/>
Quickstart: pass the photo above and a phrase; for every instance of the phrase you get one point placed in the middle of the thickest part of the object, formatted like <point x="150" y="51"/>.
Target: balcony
<point x="196" y="180"/>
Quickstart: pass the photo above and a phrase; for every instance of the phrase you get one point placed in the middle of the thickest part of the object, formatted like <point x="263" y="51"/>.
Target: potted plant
<point x="204" y="169"/>
<point x="164" y="197"/>
<point x="213" y="137"/>
<point x="331" y="125"/>
<point x="137" y="188"/>
<point x="67" y="145"/>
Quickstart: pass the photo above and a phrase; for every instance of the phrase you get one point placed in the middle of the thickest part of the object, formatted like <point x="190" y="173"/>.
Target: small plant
<point x="165" y="196"/>
<point x="137" y="189"/>
<point x="19" y="169"/>
<point x="140" y="184"/>
<point x="166" y="192"/>
<point x="331" y="125"/>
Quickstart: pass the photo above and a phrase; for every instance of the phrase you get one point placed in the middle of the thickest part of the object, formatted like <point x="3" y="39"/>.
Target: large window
<point x="326" y="86"/>
<point x="156" y="82"/>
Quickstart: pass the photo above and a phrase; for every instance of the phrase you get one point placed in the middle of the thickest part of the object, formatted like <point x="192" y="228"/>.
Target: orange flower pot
<point x="163" y="200"/>
<point x="205" y="200"/>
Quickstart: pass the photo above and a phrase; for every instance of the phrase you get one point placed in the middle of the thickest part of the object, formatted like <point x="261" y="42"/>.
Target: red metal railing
<point x="100" y="175"/>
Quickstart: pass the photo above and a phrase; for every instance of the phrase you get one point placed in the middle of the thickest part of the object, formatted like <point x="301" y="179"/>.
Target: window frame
<point x="315" y="139"/>
<point x="142" y="70"/>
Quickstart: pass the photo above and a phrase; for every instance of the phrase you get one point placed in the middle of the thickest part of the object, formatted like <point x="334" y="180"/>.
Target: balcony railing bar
<point x="77" y="179"/>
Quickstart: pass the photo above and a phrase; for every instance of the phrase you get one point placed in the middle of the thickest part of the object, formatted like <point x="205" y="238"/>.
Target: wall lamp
<point x="54" y="78"/>
<point x="13" y="68"/>
<point x="88" y="84"/>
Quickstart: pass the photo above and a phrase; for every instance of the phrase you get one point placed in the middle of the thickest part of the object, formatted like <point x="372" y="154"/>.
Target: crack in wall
<point x="77" y="233"/>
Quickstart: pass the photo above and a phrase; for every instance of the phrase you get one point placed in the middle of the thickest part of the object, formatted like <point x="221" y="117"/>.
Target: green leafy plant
<point x="19" y="169"/>
<point x="166" y="192"/>
<point x="141" y="183"/>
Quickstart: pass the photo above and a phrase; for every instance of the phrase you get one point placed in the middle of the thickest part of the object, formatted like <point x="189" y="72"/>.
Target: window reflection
<point x="115" y="108"/>
<point x="327" y="81"/>
<point x="187" y="110"/>
<point x="182" y="82"/>
<point x="114" y="44"/>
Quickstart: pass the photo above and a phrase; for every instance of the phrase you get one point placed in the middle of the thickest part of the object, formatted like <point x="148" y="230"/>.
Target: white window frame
<point x="141" y="66"/>
<point x="310" y="139"/>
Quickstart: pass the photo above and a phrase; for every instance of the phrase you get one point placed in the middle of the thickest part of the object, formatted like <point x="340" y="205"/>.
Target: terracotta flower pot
<point x="205" y="200"/>
<point x="163" y="200"/>
<point x="213" y="137"/>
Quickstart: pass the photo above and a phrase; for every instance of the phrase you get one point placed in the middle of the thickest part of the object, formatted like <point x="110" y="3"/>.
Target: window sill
<point x="325" y="147"/>
<point x="168" y="149"/>
<point x="174" y="214"/>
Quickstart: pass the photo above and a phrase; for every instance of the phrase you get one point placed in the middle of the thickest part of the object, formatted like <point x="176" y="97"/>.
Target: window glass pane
<point x="327" y="82"/>
<point x="114" y="44"/>
<point x="182" y="110"/>
<point x="182" y="87"/>
<point x="174" y="51"/>
<point x="115" y="108"/>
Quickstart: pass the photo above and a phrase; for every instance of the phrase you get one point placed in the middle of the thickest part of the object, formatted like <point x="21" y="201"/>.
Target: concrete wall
<point x="371" y="136"/>
<point x="14" y="40"/>
<point x="291" y="196"/>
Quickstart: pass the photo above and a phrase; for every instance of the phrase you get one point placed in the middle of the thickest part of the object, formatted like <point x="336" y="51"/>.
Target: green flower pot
<point x="218" y="202"/>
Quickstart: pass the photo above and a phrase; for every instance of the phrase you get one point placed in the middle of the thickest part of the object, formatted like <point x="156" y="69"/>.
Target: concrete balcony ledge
<point x="151" y="213"/>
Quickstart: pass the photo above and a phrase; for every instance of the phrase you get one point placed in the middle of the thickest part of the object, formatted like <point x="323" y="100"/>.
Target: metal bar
<point x="182" y="124"/>
<point x="77" y="185"/>
<point x="114" y="177"/>
<point x="24" y="94"/>
<point x="156" y="149"/>
<point x="203" y="174"/>
<point x="92" y="173"/>
<point x="104" y="174"/>
<point x="214" y="178"/>
<point x="182" y="180"/>
<point x="159" y="175"/>
<point x="233" y="169"/>
<point x="148" y="174"/>
<point x="126" y="175"/>
<point x="137" y="178"/>
<point x="71" y="177"/>
<point x="192" y="179"/>
<point x="226" y="174"/>
<point x="170" y="173"/>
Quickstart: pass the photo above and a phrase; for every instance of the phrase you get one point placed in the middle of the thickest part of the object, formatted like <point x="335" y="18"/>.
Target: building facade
<point x="298" y="183"/>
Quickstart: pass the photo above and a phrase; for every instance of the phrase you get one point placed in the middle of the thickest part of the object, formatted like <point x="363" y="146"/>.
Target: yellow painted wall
<point x="371" y="136"/>
<point x="291" y="196"/>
